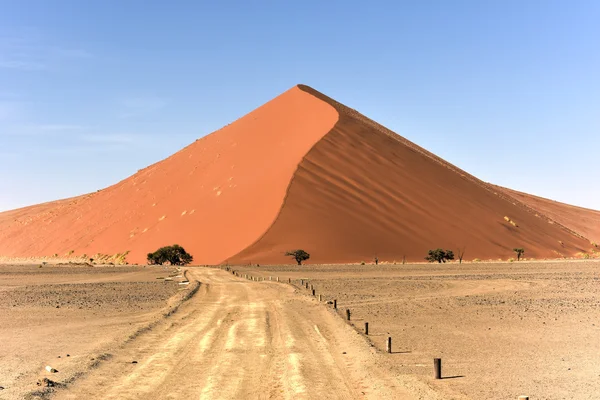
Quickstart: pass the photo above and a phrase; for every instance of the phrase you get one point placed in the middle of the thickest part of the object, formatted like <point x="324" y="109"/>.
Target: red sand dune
<point x="302" y="171"/>
<point x="584" y="221"/>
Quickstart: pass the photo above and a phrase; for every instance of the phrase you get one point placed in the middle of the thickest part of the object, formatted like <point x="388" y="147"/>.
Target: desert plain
<point x="501" y="329"/>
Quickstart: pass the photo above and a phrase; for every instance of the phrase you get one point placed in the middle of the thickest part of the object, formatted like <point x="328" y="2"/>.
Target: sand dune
<point x="300" y="171"/>
<point x="584" y="221"/>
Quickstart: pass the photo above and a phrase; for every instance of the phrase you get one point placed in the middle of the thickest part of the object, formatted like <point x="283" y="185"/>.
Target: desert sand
<point x="502" y="330"/>
<point x="69" y="317"/>
<point x="301" y="171"/>
<point x="578" y="219"/>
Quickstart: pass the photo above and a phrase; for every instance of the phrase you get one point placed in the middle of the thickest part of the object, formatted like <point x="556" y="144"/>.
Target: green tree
<point x="174" y="255"/>
<point x="440" y="255"/>
<point x="299" y="255"/>
<point x="520" y="251"/>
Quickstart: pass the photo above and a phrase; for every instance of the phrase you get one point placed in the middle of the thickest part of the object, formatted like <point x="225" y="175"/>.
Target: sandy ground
<point x="502" y="330"/>
<point x="238" y="339"/>
<point x="69" y="316"/>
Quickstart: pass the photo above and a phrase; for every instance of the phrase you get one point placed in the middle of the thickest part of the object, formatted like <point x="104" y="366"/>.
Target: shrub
<point x="440" y="255"/>
<point x="299" y="255"/>
<point x="520" y="251"/>
<point x="174" y="255"/>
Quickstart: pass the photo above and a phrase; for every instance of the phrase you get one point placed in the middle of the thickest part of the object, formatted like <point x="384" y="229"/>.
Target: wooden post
<point x="320" y="298"/>
<point x="312" y="287"/>
<point x="270" y="277"/>
<point x="335" y="304"/>
<point x="348" y="314"/>
<point x="367" y="328"/>
<point x="437" y="368"/>
<point x="307" y="285"/>
<point x="289" y="280"/>
<point x="277" y="279"/>
<point x="313" y="292"/>
<point x="388" y="346"/>
<point x="302" y="282"/>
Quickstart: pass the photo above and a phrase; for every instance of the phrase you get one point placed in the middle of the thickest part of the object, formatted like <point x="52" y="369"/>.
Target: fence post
<point x="367" y="328"/>
<point x="335" y="304"/>
<point x="348" y="314"/>
<point x="388" y="346"/>
<point x="437" y="368"/>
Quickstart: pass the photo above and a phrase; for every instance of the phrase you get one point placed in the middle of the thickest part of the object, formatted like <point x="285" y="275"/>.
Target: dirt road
<point x="238" y="339"/>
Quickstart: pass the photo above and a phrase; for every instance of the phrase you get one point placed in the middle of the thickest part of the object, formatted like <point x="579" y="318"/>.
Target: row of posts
<point x="437" y="362"/>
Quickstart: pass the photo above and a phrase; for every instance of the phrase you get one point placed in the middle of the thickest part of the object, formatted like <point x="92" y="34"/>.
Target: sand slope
<point x="581" y="220"/>
<point x="302" y="171"/>
<point x="363" y="191"/>
<point x="214" y="197"/>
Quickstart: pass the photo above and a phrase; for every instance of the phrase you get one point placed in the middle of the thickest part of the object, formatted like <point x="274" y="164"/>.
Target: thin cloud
<point x="40" y="129"/>
<point x="30" y="52"/>
<point x="9" y="110"/>
<point x="136" y="106"/>
<point x="114" y="138"/>
<point x="23" y="65"/>
<point x="59" y="127"/>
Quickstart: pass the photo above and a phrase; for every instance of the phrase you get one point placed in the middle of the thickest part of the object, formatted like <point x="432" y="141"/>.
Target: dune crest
<point x="301" y="171"/>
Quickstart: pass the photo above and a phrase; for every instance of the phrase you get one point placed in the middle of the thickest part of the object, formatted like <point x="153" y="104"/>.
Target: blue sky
<point x="92" y="91"/>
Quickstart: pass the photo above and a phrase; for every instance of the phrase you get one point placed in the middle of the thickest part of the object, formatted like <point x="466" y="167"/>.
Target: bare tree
<point x="461" y="253"/>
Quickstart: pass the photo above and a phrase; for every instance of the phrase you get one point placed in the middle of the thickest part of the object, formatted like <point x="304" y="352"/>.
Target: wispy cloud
<point x="113" y="138"/>
<point x="22" y="64"/>
<point x="9" y="110"/>
<point x="58" y="127"/>
<point x="24" y="129"/>
<point x="29" y="51"/>
<point x="136" y="106"/>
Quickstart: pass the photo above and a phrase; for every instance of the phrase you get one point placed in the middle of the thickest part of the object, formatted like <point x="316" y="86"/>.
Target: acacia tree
<point x="299" y="255"/>
<point x="440" y="255"/>
<point x="174" y="255"/>
<point x="520" y="251"/>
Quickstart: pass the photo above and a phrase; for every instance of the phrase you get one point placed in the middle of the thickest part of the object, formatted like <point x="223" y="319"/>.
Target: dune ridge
<point x="213" y="197"/>
<point x="390" y="208"/>
<point x="583" y="221"/>
<point x="301" y="171"/>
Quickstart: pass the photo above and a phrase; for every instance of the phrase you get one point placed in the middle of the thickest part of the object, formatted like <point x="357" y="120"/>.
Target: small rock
<point x="46" y="382"/>
<point x="1" y="387"/>
<point x="58" y="356"/>
<point x="50" y="369"/>
<point x="134" y="362"/>
<point x="344" y="352"/>
<point x="68" y="355"/>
